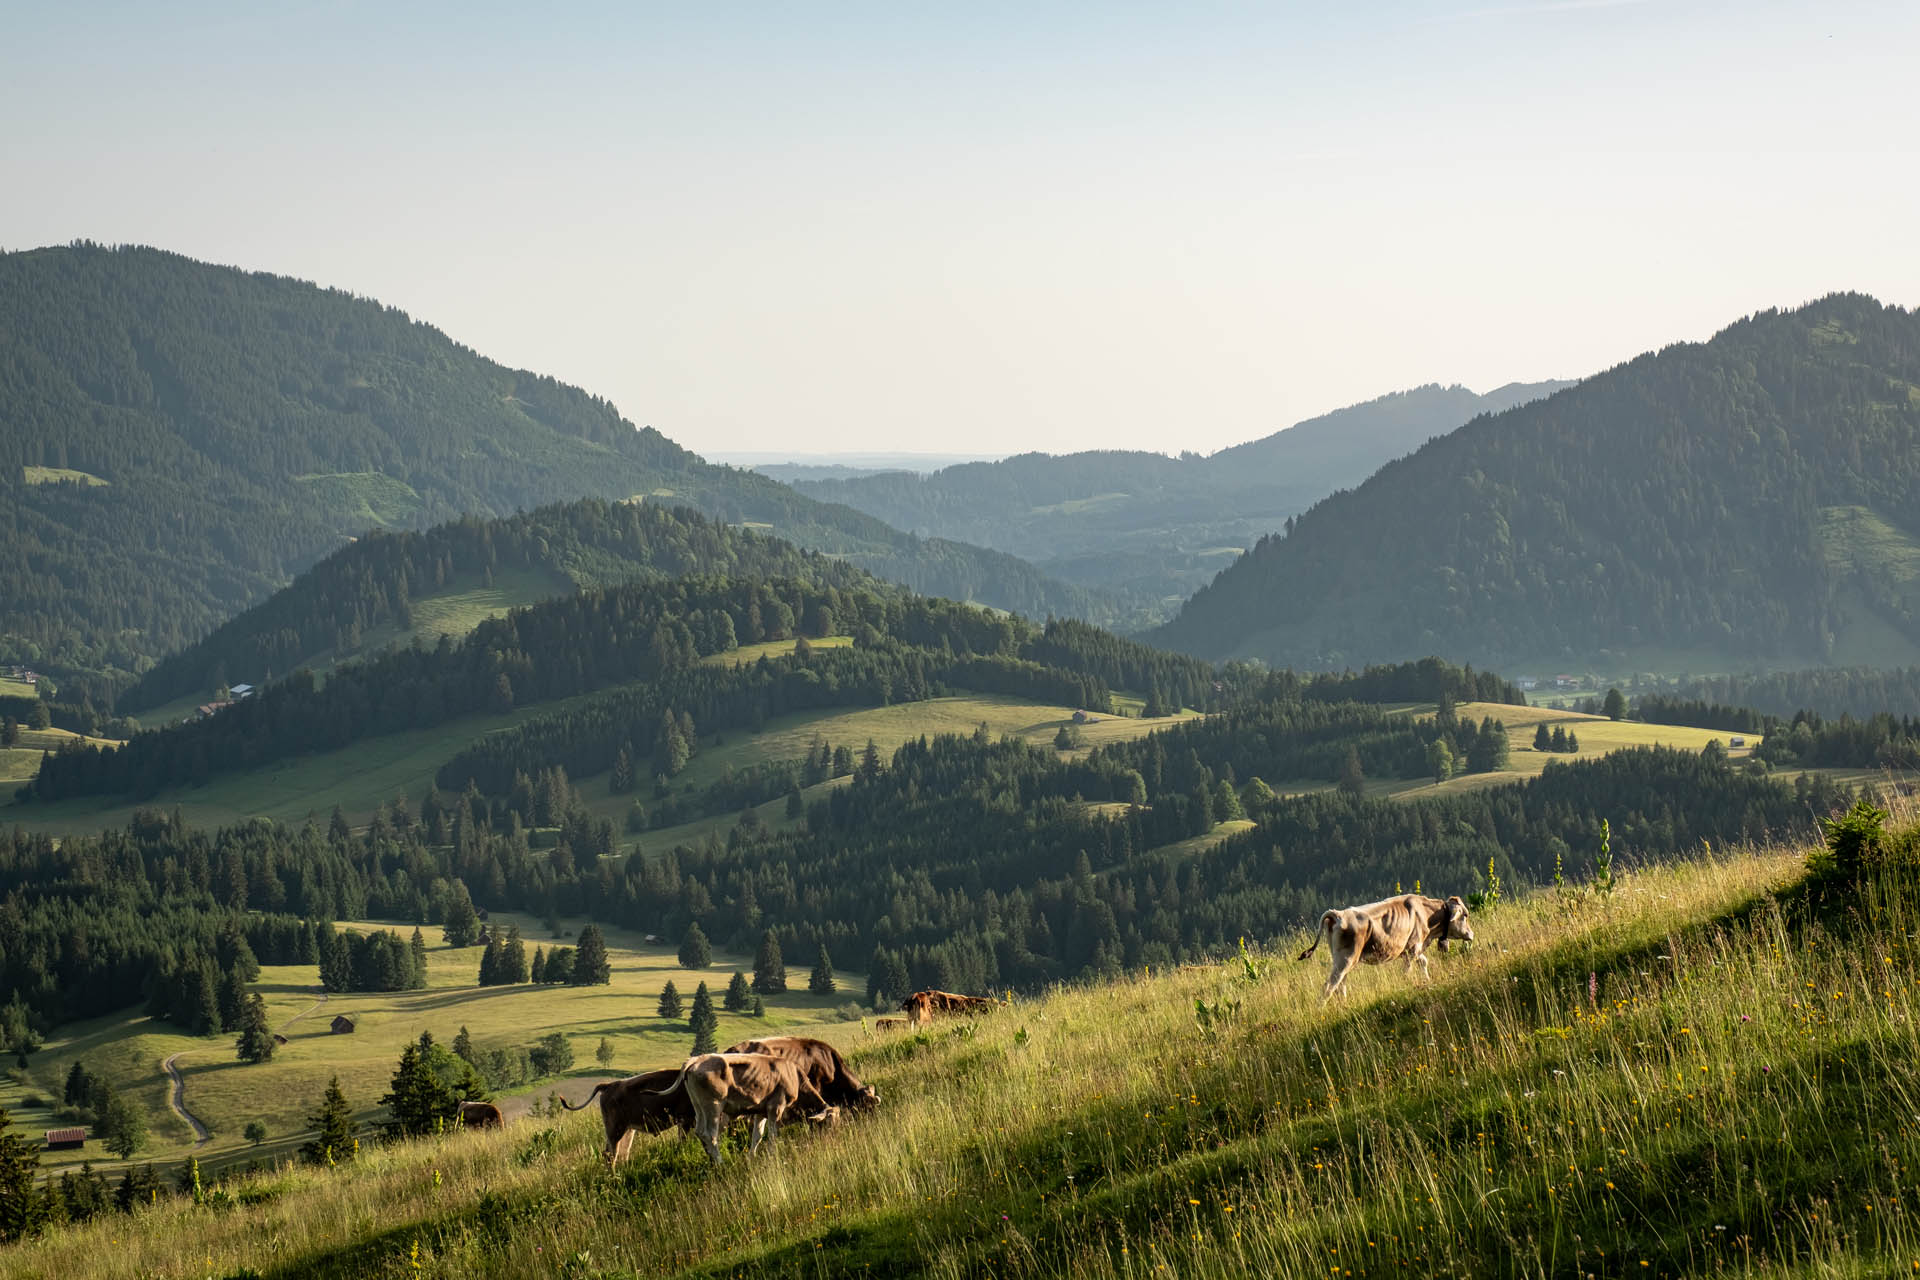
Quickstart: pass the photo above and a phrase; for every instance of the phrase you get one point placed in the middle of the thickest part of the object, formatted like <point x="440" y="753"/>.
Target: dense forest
<point x="184" y="438"/>
<point x="335" y="606"/>
<point x="1152" y="525"/>
<point x="1752" y="496"/>
<point x="650" y="636"/>
<point x="960" y="861"/>
<point x="1859" y="692"/>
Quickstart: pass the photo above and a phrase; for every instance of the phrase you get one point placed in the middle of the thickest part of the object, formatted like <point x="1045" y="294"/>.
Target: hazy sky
<point x="987" y="227"/>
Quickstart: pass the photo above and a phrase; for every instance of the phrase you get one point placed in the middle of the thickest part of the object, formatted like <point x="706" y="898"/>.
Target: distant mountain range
<point x="1754" y="498"/>
<point x="1154" y="526"/>
<point x="180" y="439"/>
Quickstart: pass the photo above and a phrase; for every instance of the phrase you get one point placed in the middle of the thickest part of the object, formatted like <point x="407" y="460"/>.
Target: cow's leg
<point x="1420" y="954"/>
<point x="710" y="1125"/>
<point x="619" y="1148"/>
<point x="1343" y="964"/>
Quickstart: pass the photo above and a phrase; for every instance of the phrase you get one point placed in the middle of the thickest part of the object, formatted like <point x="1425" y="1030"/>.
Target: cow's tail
<point x="685" y="1067"/>
<point x="1327" y="925"/>
<point x="589" y="1098"/>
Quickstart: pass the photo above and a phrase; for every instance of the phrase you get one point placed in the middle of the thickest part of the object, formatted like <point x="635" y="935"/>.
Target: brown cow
<point x="480" y="1115"/>
<point x="820" y="1065"/>
<point x="1388" y="930"/>
<point x="889" y="1024"/>
<point x="635" y="1103"/>
<point x="922" y="1005"/>
<point x="722" y="1087"/>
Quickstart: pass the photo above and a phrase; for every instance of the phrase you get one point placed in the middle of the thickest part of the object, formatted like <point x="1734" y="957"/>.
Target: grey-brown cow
<point x="723" y="1087"/>
<point x="1389" y="930"/>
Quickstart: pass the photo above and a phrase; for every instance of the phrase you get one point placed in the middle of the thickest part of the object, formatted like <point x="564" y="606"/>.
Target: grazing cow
<point x="889" y="1024"/>
<point x="922" y="1005"/>
<point x="635" y="1103"/>
<point x="723" y="1087"/>
<point x="1388" y="930"/>
<point x="821" y="1066"/>
<point x="480" y="1115"/>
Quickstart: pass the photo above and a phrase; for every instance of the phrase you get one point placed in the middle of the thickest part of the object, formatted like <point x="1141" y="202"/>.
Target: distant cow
<point x="889" y="1024"/>
<point x="821" y="1066"/>
<point x="1388" y="930"/>
<point x="724" y="1087"/>
<point x="480" y="1115"/>
<point x="922" y="1005"/>
<point x="634" y="1103"/>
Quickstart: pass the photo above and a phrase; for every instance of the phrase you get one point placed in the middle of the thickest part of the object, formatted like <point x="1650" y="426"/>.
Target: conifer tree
<point x="513" y="958"/>
<point x="1542" y="738"/>
<point x="537" y="971"/>
<point x="417" y="947"/>
<point x="705" y="1022"/>
<point x="490" y="962"/>
<point x="22" y="1206"/>
<point x="256" y="1039"/>
<point x="820" y="982"/>
<point x="461" y="926"/>
<point x="738" y="993"/>
<point x="333" y="1141"/>
<point x="590" y="965"/>
<point x="769" y="970"/>
<point x="695" y="951"/>
<point x="206" y="1006"/>
<point x="463" y="1044"/>
<point x="1353" y="782"/>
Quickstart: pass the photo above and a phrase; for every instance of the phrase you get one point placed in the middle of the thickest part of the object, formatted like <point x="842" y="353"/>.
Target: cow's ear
<point x="1454" y="901"/>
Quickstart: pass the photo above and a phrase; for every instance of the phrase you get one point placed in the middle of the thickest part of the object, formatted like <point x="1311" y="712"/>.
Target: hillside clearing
<point x="1683" y="1077"/>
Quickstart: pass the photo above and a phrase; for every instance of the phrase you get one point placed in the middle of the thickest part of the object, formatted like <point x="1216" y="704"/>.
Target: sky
<point x="990" y="228"/>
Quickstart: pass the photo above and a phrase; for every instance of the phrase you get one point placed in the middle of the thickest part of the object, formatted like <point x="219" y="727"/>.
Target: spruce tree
<point x="705" y="1022"/>
<point x="738" y="993"/>
<point x="671" y="1005"/>
<point x="513" y="958"/>
<point x="590" y="965"/>
<point x="205" y="1006"/>
<point x="1615" y="707"/>
<point x="560" y="966"/>
<point x="463" y="1044"/>
<point x="769" y="970"/>
<point x="333" y="1141"/>
<point x="256" y="1039"/>
<point x="124" y="1127"/>
<point x="461" y="927"/>
<point x="537" y="971"/>
<point x="1542" y="738"/>
<point x="490" y="962"/>
<point x="820" y="982"/>
<point x="1353" y="782"/>
<point x="695" y="951"/>
<point x="78" y="1085"/>
<point x="21" y="1203"/>
<point x="417" y="949"/>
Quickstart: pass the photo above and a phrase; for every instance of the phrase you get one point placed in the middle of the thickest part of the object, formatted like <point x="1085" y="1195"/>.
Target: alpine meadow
<point x="689" y="643"/>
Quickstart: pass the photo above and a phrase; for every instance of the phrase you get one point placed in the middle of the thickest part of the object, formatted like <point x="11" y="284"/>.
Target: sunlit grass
<point x="1692" y="1074"/>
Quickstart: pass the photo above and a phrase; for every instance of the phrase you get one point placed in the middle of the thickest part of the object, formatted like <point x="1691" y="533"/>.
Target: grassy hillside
<point x="1689" y="1076"/>
<point x="225" y="1094"/>
<point x="1160" y="527"/>
<point x="1750" y="497"/>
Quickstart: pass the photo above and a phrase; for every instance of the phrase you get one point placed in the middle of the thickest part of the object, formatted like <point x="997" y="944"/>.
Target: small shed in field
<point x="342" y="1024"/>
<point x="66" y="1139"/>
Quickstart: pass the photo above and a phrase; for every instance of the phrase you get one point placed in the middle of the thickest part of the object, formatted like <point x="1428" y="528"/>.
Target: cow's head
<point x="867" y="1099"/>
<point x="1454" y="925"/>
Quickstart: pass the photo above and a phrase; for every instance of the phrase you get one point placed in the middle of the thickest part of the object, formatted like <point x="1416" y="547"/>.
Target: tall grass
<point x="1709" y="1071"/>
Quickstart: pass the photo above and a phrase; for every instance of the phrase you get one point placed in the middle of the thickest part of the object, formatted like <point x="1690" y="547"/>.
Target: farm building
<point x="239" y="691"/>
<point x="342" y="1024"/>
<point x="66" y="1139"/>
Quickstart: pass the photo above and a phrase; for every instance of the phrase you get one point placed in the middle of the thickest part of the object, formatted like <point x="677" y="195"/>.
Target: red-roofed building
<point x="66" y="1139"/>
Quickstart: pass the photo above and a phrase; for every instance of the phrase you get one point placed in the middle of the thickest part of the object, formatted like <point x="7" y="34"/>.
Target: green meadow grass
<point x="226" y="1094"/>
<point x="1710" y="1071"/>
<point x="56" y="475"/>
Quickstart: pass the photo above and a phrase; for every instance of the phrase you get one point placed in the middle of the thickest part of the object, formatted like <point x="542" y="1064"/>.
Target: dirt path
<point x="303" y="1013"/>
<point x="177" y="1099"/>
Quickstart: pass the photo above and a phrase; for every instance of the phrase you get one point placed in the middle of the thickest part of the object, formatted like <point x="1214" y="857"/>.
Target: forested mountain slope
<point x="1155" y="525"/>
<point x="180" y="439"/>
<point x="1753" y="496"/>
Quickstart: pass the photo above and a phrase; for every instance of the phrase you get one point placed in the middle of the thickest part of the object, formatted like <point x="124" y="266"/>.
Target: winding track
<point x="177" y="1096"/>
<point x="177" y="1099"/>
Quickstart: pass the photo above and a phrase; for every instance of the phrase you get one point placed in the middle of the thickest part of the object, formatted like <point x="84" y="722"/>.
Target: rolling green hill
<point x="1685" y="1076"/>
<point x="181" y="439"/>
<point x="1750" y="499"/>
<point x="1155" y="526"/>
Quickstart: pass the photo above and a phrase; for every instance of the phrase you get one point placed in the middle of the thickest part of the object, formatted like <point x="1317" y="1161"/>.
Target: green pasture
<point x="226" y="1094"/>
<point x="58" y="475"/>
